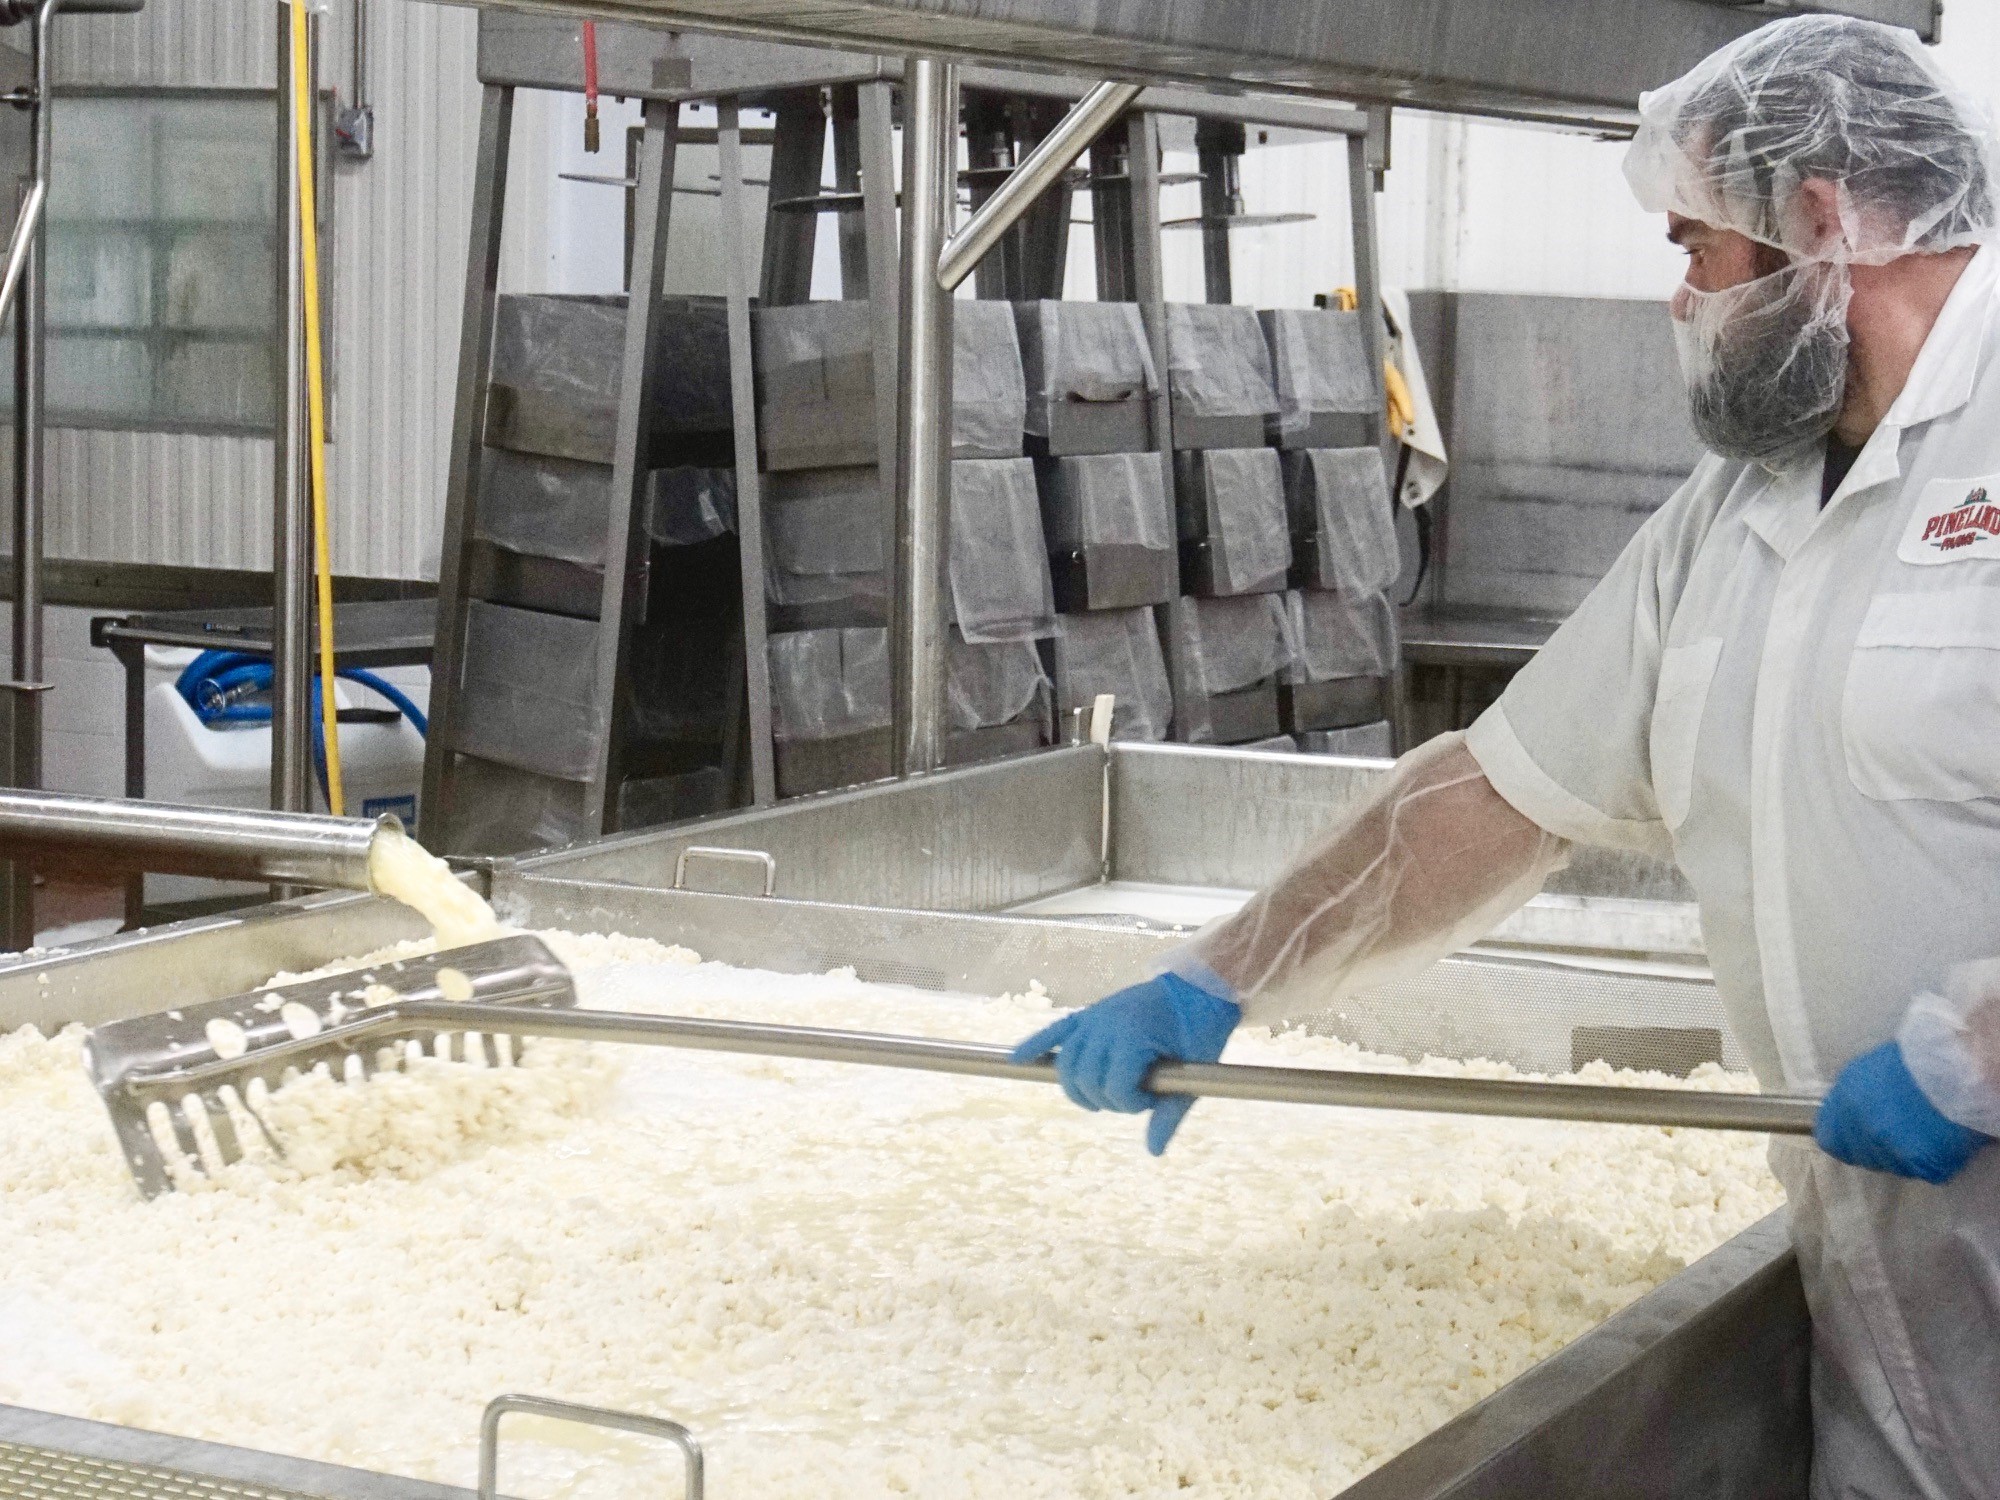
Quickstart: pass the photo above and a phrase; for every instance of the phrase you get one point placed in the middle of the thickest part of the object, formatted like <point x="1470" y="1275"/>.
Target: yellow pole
<point x="302" y="104"/>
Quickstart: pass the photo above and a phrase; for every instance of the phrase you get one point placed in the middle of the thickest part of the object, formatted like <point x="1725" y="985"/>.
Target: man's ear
<point x="1816" y="214"/>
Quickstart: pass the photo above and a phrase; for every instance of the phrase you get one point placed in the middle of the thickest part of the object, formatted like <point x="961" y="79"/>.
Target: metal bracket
<point x="588" y="1416"/>
<point x="713" y="851"/>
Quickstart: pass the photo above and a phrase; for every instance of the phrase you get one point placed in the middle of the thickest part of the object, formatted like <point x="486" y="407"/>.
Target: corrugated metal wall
<point x="397" y="259"/>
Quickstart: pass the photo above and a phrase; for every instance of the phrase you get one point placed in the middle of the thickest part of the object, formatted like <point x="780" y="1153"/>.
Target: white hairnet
<point x="1853" y="103"/>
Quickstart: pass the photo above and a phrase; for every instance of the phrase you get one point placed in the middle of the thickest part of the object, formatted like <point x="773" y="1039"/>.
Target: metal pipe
<point x="1601" y="1104"/>
<point x="291" y="525"/>
<point x="1057" y="152"/>
<point x="26" y="225"/>
<point x="226" y="843"/>
<point x="923" y="419"/>
<point x="30" y="370"/>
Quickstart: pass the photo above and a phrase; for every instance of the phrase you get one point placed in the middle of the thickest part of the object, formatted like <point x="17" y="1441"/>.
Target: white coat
<point x="1802" y="708"/>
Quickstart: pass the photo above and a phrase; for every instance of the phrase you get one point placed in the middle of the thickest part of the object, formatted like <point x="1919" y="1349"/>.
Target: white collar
<point x="1939" y="383"/>
<point x="1941" y="379"/>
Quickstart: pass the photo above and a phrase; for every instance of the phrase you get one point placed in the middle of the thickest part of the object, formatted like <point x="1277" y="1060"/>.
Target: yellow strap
<point x="1402" y="410"/>
<point x="329" y="704"/>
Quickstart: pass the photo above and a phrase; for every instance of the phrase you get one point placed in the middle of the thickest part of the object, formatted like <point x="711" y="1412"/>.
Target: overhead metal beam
<point x="1574" y="62"/>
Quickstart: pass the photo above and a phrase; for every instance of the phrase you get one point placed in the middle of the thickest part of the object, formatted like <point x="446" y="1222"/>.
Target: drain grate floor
<point x="45" y="1474"/>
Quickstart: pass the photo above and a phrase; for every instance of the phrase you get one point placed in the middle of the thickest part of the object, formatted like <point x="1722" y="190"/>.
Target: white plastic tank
<point x="229" y="765"/>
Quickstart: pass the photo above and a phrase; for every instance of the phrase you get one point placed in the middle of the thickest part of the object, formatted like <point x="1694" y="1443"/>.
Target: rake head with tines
<point x="170" y="1080"/>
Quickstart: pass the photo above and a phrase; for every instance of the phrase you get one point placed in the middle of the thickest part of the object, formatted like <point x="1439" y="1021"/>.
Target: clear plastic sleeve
<point x="1430" y="862"/>
<point x="1339" y="635"/>
<point x="544" y="507"/>
<point x="1082" y="351"/>
<point x="1951" y="1044"/>
<point x="1109" y="499"/>
<point x="1318" y="364"/>
<point x="829" y="683"/>
<point x="1231" y="643"/>
<point x="999" y="560"/>
<point x="1217" y="361"/>
<point x="991" y="684"/>
<point x="827" y="537"/>
<point x="1242" y="495"/>
<point x="688" y="505"/>
<point x="570" y="347"/>
<point x="1115" y="651"/>
<point x="530" y="690"/>
<point x="1338" y="500"/>
<point x="989" y="395"/>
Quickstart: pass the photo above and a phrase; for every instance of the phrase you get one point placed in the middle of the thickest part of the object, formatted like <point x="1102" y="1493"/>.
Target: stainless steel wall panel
<point x="979" y="839"/>
<point x="1185" y="815"/>
<point x="1076" y="962"/>
<point x="1567" y="426"/>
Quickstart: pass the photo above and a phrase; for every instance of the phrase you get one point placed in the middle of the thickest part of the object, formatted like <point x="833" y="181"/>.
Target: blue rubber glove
<point x="1104" y="1051"/>
<point x="1876" y="1116"/>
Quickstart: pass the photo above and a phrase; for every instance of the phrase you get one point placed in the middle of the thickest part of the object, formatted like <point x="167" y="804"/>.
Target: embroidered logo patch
<point x="1955" y="519"/>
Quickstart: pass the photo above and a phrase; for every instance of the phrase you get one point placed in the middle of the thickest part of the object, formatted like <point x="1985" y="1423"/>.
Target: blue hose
<point x="216" y="685"/>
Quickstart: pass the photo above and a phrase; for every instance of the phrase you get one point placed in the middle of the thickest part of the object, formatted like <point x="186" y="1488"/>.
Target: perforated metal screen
<point x="44" y="1474"/>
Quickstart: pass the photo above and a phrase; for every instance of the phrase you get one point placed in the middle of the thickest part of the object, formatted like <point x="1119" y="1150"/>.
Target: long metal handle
<point x="1602" y="1104"/>
<point x="298" y="848"/>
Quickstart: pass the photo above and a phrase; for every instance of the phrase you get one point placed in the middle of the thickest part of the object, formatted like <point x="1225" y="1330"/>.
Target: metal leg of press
<point x="798" y="147"/>
<point x="749" y="487"/>
<point x="989" y="152"/>
<point x="845" y="110"/>
<point x="1362" y="168"/>
<point x="874" y="105"/>
<point x="21" y="743"/>
<point x="1142" y="136"/>
<point x="1218" y="148"/>
<point x="291" y="549"/>
<point x="628" y="544"/>
<point x="1044" y="229"/>
<point x="1111" y="213"/>
<point x="461" y="494"/>
<point x="917" y="614"/>
<point x="132" y="657"/>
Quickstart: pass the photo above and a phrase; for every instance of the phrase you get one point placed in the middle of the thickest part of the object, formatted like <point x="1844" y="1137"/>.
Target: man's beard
<point x="1765" y="362"/>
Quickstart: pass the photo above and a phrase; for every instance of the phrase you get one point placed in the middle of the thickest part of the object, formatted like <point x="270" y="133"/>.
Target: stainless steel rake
<point x="455" y="1004"/>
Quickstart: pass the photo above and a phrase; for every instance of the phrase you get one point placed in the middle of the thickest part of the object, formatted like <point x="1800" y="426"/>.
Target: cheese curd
<point x="846" y="1281"/>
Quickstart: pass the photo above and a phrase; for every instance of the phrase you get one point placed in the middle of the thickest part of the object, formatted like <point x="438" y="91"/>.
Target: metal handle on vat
<point x="589" y="1416"/>
<point x="712" y="851"/>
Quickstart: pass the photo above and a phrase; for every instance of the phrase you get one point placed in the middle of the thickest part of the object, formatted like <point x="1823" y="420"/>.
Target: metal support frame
<point x="1149" y="289"/>
<point x="749" y="482"/>
<point x="923" y="419"/>
<point x="844" y="111"/>
<point x="475" y="357"/>
<point x="797" y="150"/>
<point x="291" y="526"/>
<point x="627" y="549"/>
<point x="1218" y="154"/>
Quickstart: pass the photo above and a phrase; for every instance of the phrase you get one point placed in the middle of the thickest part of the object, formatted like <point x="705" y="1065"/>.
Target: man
<point x="1789" y="684"/>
